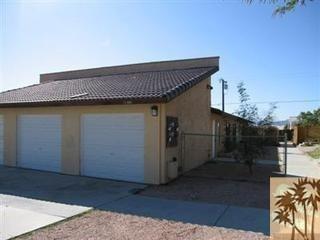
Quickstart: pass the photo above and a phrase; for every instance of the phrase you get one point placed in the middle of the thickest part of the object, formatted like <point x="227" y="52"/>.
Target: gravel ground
<point x="208" y="190"/>
<point x="220" y="183"/>
<point x="107" y="225"/>
<point x="235" y="171"/>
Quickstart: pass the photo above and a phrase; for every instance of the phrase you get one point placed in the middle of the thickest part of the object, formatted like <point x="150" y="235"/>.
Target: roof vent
<point x="79" y="95"/>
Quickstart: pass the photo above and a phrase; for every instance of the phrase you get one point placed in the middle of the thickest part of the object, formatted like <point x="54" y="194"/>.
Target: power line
<point x="281" y="75"/>
<point x="276" y="102"/>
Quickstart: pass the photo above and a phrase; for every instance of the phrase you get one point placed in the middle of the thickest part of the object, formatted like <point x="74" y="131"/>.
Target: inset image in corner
<point x="295" y="208"/>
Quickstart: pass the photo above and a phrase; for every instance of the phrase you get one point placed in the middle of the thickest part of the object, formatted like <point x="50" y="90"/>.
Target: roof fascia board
<point x="131" y="68"/>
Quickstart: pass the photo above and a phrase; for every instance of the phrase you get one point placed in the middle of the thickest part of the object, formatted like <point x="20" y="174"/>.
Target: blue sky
<point x="278" y="58"/>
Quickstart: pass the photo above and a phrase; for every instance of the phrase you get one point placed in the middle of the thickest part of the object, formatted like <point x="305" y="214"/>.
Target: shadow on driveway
<point x="66" y="189"/>
<point x="20" y="186"/>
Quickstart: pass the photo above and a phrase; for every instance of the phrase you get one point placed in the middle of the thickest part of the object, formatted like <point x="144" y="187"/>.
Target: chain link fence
<point x="249" y="150"/>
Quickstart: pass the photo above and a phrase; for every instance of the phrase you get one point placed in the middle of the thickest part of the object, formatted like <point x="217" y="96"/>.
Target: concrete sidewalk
<point x="19" y="215"/>
<point x="243" y="218"/>
<point x="299" y="164"/>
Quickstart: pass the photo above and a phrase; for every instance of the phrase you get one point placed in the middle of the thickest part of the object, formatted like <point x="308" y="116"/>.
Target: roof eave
<point x="173" y="93"/>
<point x="225" y="114"/>
<point x="85" y="102"/>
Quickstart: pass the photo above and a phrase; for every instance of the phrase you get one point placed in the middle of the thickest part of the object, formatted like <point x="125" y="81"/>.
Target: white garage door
<point x="39" y="142"/>
<point x="1" y="139"/>
<point x="112" y="146"/>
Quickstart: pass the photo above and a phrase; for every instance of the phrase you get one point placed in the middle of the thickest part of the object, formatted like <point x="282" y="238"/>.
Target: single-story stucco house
<point x="226" y="128"/>
<point x="120" y="122"/>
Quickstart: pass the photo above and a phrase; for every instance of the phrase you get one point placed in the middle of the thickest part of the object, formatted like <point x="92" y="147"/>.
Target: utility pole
<point x="224" y="87"/>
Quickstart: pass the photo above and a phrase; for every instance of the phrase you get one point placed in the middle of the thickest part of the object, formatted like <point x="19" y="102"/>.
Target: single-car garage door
<point x="39" y="142"/>
<point x="112" y="146"/>
<point x="1" y="139"/>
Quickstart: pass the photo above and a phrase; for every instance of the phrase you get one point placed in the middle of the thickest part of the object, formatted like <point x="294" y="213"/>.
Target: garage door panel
<point x="114" y="121"/>
<point x="116" y="170"/>
<point x="113" y="146"/>
<point x="1" y="140"/>
<point x="121" y="137"/>
<point x="39" y="142"/>
<point x="129" y="141"/>
<point x="112" y="156"/>
<point x="34" y="163"/>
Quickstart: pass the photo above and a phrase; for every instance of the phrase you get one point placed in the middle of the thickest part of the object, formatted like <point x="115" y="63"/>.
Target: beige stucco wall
<point x="193" y="111"/>
<point x="71" y="121"/>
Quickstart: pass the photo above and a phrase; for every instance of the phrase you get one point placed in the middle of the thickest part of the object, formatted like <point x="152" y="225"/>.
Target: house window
<point x="234" y="132"/>
<point x="228" y="129"/>
<point x="228" y="140"/>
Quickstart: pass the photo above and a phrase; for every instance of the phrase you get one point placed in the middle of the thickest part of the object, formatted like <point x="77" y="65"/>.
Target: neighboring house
<point x="226" y="129"/>
<point x="293" y="121"/>
<point x="286" y="124"/>
<point x="117" y="122"/>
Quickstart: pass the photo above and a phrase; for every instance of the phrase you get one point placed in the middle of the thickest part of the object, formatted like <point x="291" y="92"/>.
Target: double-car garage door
<point x="112" y="145"/>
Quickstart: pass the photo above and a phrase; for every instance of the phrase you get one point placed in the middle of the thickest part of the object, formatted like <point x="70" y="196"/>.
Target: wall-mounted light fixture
<point x="154" y="111"/>
<point x="209" y="87"/>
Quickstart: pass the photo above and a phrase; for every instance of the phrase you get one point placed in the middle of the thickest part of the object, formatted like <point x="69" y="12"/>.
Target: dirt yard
<point x="107" y="225"/>
<point x="225" y="183"/>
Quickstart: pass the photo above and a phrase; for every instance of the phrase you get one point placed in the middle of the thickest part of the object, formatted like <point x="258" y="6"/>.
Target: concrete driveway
<point x="33" y="199"/>
<point x="299" y="164"/>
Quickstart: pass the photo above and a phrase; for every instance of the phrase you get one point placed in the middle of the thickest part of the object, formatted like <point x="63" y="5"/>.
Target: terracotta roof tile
<point x="138" y="87"/>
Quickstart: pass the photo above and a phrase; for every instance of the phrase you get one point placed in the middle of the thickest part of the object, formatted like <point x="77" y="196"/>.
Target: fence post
<point x="180" y="168"/>
<point x="285" y="153"/>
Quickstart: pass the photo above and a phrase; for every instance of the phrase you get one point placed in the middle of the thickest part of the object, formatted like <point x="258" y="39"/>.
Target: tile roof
<point x="100" y="86"/>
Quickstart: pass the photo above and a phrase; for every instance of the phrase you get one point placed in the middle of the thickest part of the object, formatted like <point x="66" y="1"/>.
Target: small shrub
<point x="315" y="153"/>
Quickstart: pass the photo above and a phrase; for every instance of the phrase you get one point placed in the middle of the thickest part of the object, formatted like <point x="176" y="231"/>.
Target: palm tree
<point x="314" y="200"/>
<point x="287" y="203"/>
<point x="283" y="216"/>
<point x="301" y="199"/>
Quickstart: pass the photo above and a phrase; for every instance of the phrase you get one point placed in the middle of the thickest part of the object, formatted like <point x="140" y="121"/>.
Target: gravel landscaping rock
<point x="245" y="194"/>
<point x="108" y="225"/>
<point x="235" y="171"/>
<point x="221" y="183"/>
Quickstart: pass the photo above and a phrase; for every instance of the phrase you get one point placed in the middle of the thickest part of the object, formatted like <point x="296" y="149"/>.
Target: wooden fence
<point x="303" y="134"/>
